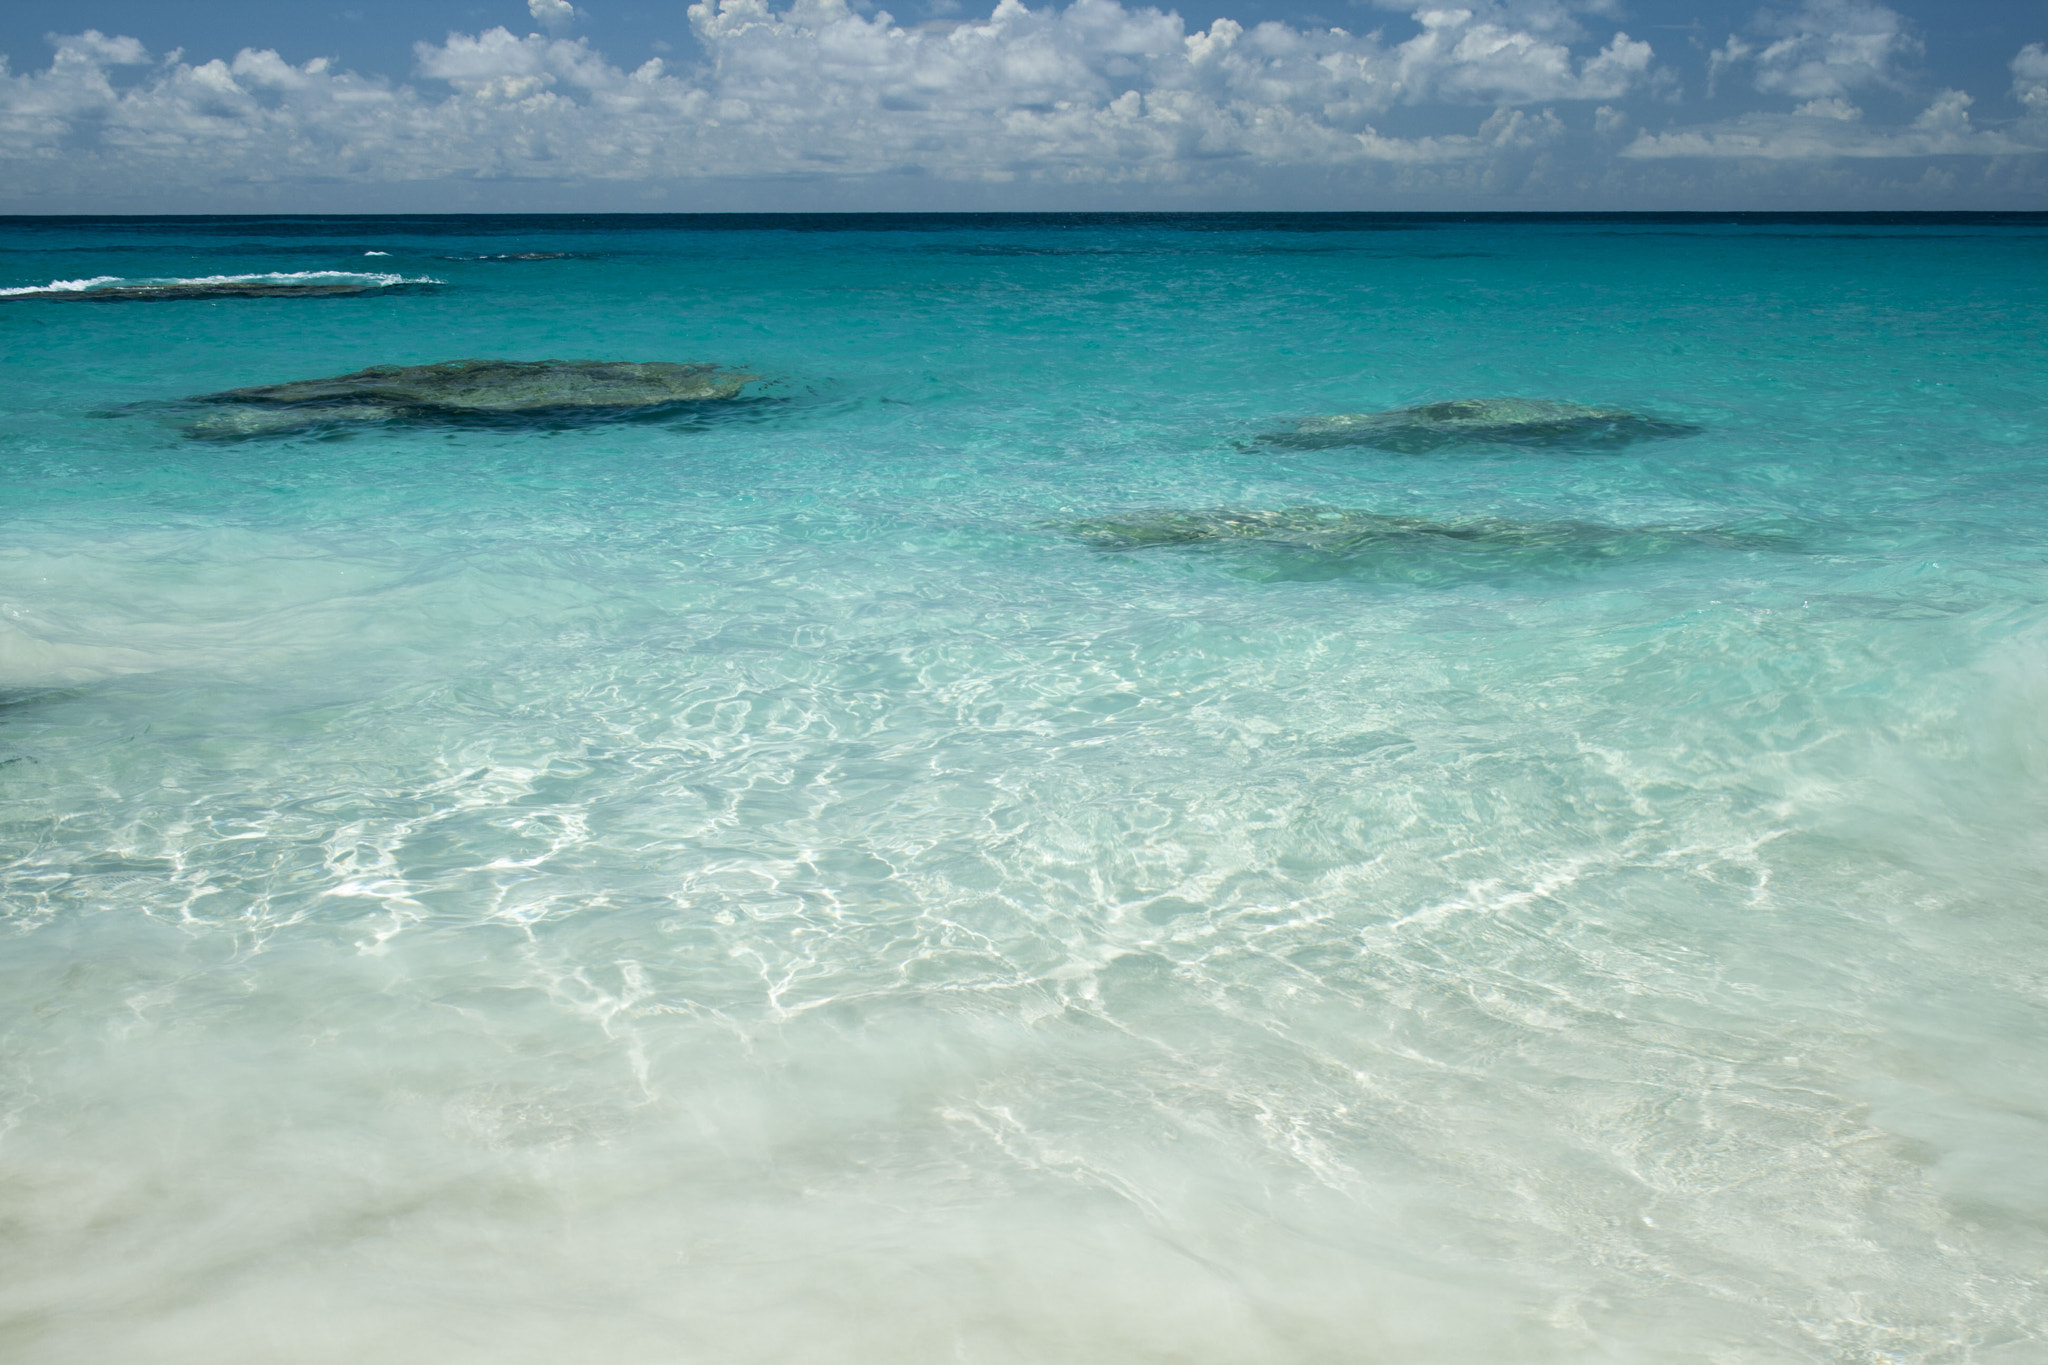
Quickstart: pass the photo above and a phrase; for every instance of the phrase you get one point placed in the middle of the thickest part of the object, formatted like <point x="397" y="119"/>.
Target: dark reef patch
<point x="1479" y="421"/>
<point x="468" y="390"/>
<point x="1328" y="542"/>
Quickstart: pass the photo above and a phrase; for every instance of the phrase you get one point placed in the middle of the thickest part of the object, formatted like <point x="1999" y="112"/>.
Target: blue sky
<point x="442" y="105"/>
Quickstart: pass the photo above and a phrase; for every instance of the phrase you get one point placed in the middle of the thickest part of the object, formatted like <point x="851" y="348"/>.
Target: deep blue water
<point x="760" y="881"/>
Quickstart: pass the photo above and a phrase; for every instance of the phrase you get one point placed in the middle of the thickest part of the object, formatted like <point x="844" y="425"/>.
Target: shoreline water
<point x="761" y="883"/>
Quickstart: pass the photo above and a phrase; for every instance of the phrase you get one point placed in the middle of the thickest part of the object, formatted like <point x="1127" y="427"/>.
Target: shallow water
<point x="754" y="885"/>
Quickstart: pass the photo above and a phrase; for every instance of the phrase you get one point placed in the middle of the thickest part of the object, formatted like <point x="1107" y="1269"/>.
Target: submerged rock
<point x="467" y="389"/>
<point x="1321" y="542"/>
<point x="1479" y="421"/>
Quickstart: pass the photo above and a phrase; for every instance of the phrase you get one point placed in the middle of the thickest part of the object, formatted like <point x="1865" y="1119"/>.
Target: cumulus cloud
<point x="1507" y="130"/>
<point x="1826" y="129"/>
<point x="1095" y="92"/>
<point x="1838" y="109"/>
<point x="1549" y="18"/>
<point x="2030" y="78"/>
<point x="553" y="15"/>
<point x="1818" y="54"/>
<point x="1823" y="49"/>
<point x="1096" y="97"/>
<point x="1460" y="55"/>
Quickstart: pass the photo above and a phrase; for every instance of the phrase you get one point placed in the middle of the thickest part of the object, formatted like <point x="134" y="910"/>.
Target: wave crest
<point x="273" y="283"/>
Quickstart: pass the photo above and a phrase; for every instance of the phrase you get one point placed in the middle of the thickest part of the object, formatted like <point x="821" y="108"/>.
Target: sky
<point x="171" y="106"/>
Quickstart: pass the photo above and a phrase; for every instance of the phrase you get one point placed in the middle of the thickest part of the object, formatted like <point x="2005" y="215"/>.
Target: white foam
<point x="30" y="661"/>
<point x="63" y="286"/>
<point x="289" y="276"/>
<point x="376" y="253"/>
<point x="369" y="278"/>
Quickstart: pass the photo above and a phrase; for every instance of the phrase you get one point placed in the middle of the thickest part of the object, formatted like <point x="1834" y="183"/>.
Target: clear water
<point x="754" y="887"/>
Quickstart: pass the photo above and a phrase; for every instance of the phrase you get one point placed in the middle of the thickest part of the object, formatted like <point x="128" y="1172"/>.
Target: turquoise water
<point x="753" y="884"/>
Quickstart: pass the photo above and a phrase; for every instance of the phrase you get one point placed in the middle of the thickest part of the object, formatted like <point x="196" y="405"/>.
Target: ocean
<point x="1014" y="838"/>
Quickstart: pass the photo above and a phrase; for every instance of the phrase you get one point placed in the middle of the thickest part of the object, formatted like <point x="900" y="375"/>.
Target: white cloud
<point x="553" y="15"/>
<point x="1549" y="18"/>
<point x="1507" y="130"/>
<point x="1093" y="93"/>
<point x="1824" y="48"/>
<point x="1827" y="129"/>
<point x="2030" y="78"/>
<point x="1838" y="109"/>
<point x="93" y="48"/>
<point x="1460" y="56"/>
<point x="1094" y="99"/>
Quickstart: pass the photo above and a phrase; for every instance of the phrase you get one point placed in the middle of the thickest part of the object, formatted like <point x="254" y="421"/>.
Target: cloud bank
<point x="1091" y="103"/>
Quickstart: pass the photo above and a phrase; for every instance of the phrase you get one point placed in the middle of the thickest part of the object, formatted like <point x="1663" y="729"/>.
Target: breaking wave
<point x="271" y="282"/>
<point x="61" y="286"/>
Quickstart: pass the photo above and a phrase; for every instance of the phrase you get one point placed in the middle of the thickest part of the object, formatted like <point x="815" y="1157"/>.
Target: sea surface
<point x="756" y="885"/>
